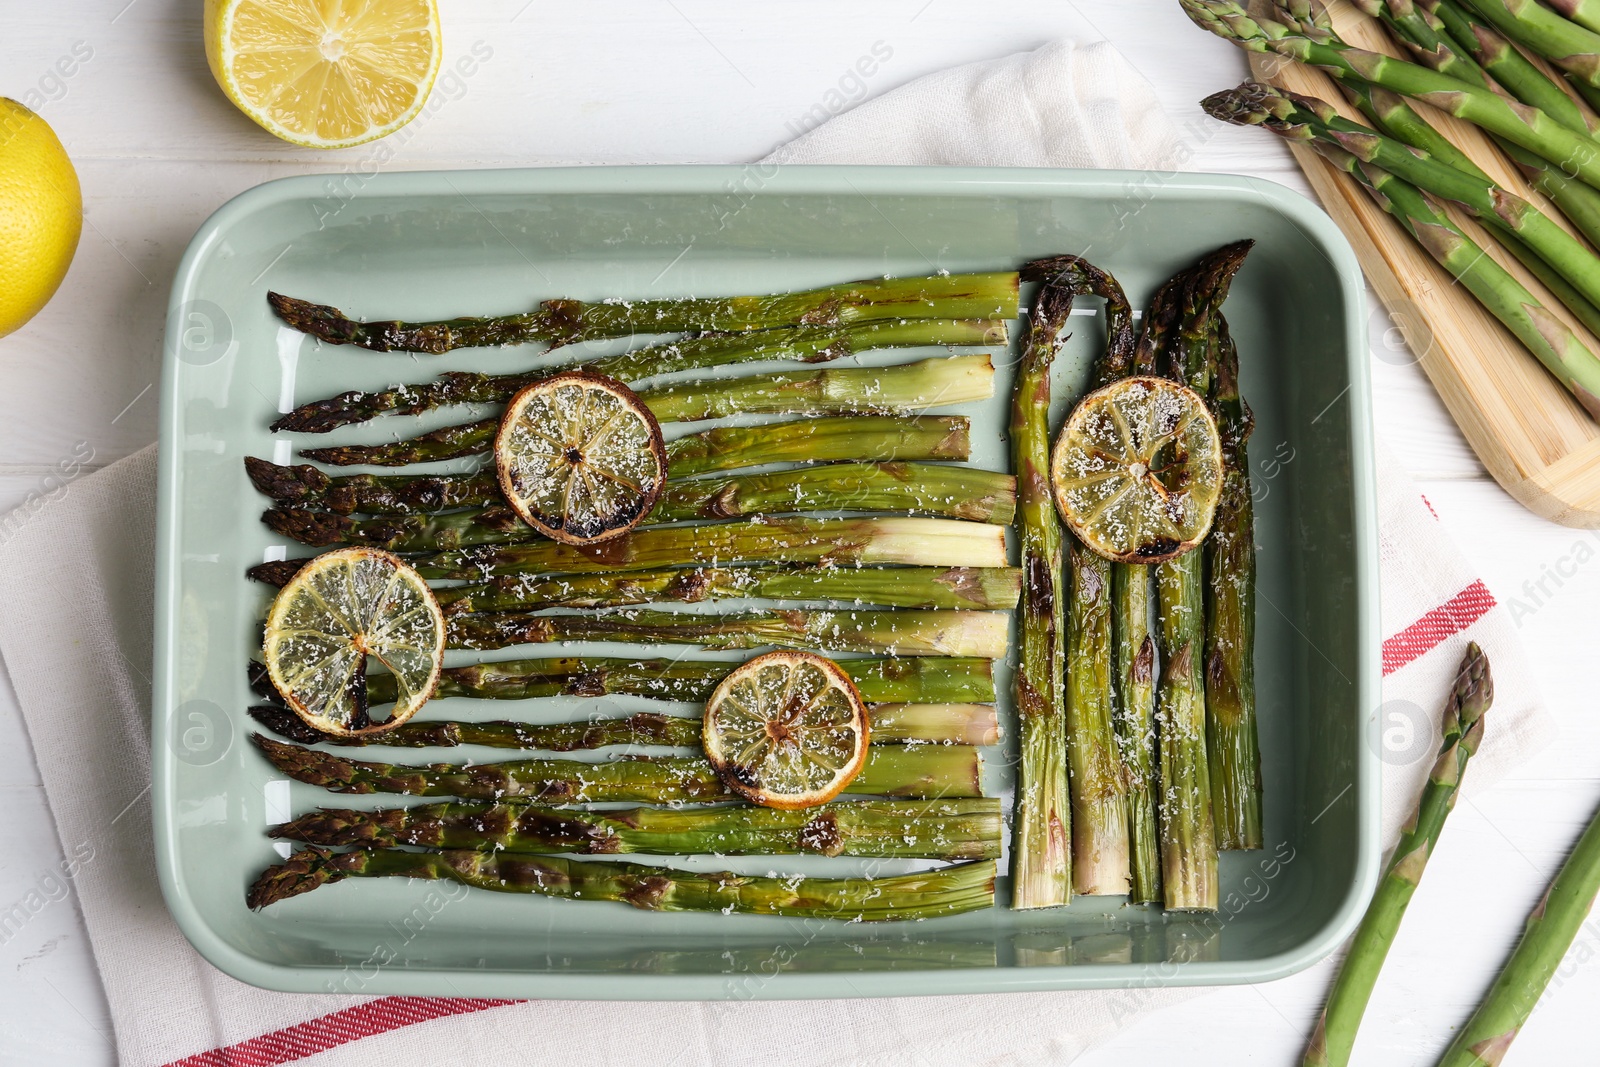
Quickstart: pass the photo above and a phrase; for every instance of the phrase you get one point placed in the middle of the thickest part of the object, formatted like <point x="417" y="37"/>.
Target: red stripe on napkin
<point x="1426" y="634"/>
<point x="338" y="1028"/>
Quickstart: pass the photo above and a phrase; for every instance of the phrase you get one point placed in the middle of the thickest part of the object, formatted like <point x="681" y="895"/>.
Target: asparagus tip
<point x="275" y="572"/>
<point x="285" y="723"/>
<point x="315" y="528"/>
<point x="300" y="873"/>
<point x="321" y="321"/>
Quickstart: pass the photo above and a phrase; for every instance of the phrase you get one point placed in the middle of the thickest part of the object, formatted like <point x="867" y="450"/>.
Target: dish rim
<point x="788" y="179"/>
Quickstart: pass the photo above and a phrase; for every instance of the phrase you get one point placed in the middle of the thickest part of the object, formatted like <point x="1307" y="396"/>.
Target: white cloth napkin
<point x="75" y="609"/>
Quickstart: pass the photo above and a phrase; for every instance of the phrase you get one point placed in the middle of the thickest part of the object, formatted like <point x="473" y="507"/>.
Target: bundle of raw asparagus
<point x="1492" y="63"/>
<point x="1136" y="766"/>
<point x="912" y="586"/>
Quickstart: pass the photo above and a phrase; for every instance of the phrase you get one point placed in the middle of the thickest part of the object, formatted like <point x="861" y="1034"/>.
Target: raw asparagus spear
<point x="1096" y="783"/>
<point x="914" y="771"/>
<point x="829" y="542"/>
<point x="1041" y="857"/>
<point x="1507" y="66"/>
<point x="910" y="488"/>
<point x="895" y="587"/>
<point x="1567" y="45"/>
<point x="954" y="724"/>
<point x="916" y="680"/>
<point x="1308" y="120"/>
<point x="859" y="437"/>
<point x="1518" y="123"/>
<point x="1542" y="333"/>
<point x="894" y="633"/>
<point x="909" y="387"/>
<point x="1232" y="744"/>
<point x="1549" y="933"/>
<point x="924" y="895"/>
<point x="562" y="322"/>
<point x="1470" y="697"/>
<point x="806" y="344"/>
<point x="913" y="829"/>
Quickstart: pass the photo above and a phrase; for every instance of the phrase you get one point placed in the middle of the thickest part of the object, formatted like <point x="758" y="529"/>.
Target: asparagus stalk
<point x="1133" y="602"/>
<point x="1568" y="46"/>
<point x="917" y="680"/>
<point x="1041" y="856"/>
<point x="1335" y="1033"/>
<point x="1304" y="119"/>
<point x="562" y="322"/>
<point x="924" y="895"/>
<point x="952" y="724"/>
<point x="1454" y="42"/>
<point x="912" y="771"/>
<point x="1541" y="332"/>
<point x="1188" y="844"/>
<point x="1232" y="744"/>
<point x="828" y="542"/>
<point x="860" y="437"/>
<point x="1518" y="123"/>
<point x="1549" y="933"/>
<point x="1096" y="782"/>
<point x="908" y="387"/>
<point x="899" y="587"/>
<point x="911" y="488"/>
<point x="911" y="829"/>
<point x="806" y="344"/>
<point x="905" y="632"/>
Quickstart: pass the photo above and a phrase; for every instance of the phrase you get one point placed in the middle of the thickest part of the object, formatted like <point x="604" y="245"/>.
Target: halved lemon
<point x="336" y="611"/>
<point x="325" y="73"/>
<point x="1137" y="470"/>
<point x="786" y="730"/>
<point x="580" y="457"/>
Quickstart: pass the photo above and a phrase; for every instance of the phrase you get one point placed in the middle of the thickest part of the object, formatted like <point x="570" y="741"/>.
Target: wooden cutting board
<point x="1526" y="429"/>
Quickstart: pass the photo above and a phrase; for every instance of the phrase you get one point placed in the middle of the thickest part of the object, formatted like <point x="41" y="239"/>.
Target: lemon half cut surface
<point x="337" y="611"/>
<point x="325" y="73"/>
<point x="580" y="457"/>
<point x="786" y="730"/>
<point x="1137" y="470"/>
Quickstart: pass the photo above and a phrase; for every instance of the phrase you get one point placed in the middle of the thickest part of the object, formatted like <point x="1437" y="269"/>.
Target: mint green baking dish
<point x="429" y="245"/>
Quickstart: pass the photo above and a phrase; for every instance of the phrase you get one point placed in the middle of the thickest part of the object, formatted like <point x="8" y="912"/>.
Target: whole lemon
<point x="41" y="214"/>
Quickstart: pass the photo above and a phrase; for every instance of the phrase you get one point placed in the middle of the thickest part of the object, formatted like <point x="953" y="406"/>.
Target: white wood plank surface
<point x="632" y="81"/>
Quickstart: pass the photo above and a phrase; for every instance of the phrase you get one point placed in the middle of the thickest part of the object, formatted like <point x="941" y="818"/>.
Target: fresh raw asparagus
<point x="1542" y="333"/>
<point x="950" y="724"/>
<point x="892" y="587"/>
<point x="1568" y="46"/>
<point x="1505" y="64"/>
<point x="1232" y="743"/>
<point x="903" y="632"/>
<point x="1096" y="781"/>
<point x="909" y="387"/>
<point x="913" y="771"/>
<point x="910" y="488"/>
<point x="562" y="322"/>
<point x="1319" y="47"/>
<point x="1455" y="42"/>
<point x="827" y="542"/>
<point x="1305" y="119"/>
<point x="1546" y="938"/>
<point x="1041" y="856"/>
<point x="806" y="344"/>
<point x="912" y="829"/>
<point x="924" y="895"/>
<point x="1462" y="728"/>
<point x="915" y="680"/>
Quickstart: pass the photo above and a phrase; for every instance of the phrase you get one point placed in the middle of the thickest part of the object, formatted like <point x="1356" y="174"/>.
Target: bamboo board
<point x="1526" y="429"/>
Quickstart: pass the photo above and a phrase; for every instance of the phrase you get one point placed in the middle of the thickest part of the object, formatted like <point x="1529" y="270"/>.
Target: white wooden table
<point x="157" y="148"/>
